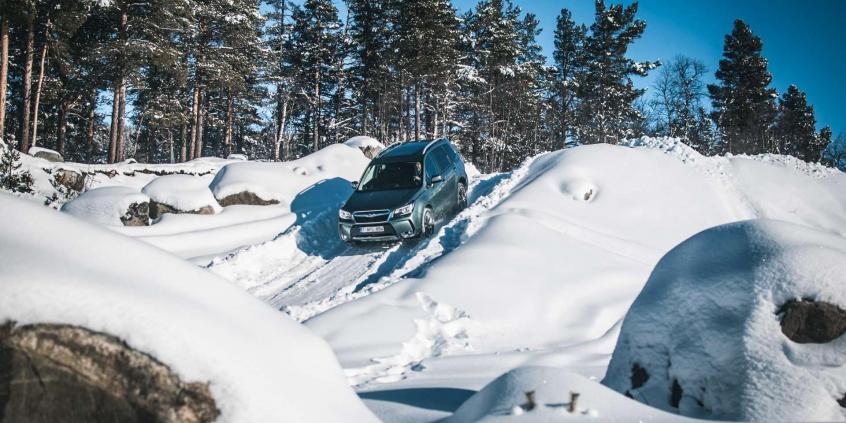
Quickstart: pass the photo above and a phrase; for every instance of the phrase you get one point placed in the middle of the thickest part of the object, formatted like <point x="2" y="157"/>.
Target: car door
<point x="436" y="190"/>
<point x="450" y="183"/>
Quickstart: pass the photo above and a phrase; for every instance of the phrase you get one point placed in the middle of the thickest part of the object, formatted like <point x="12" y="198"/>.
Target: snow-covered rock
<point x="180" y="194"/>
<point x="544" y="394"/>
<point x="368" y="145"/>
<point x="241" y="157"/>
<point x="703" y="338"/>
<point x="46" y="154"/>
<point x="271" y="183"/>
<point x="260" y="365"/>
<point x="111" y="206"/>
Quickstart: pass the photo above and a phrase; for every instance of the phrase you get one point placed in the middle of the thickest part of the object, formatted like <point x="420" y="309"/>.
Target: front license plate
<point x="372" y="229"/>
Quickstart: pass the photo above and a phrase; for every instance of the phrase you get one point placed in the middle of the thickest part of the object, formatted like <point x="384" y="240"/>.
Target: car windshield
<point x="391" y="175"/>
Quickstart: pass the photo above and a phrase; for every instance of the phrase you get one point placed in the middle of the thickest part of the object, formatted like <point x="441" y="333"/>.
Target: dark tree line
<point x="173" y="80"/>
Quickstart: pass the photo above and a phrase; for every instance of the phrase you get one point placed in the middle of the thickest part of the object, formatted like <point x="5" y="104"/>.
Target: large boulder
<point x="70" y="179"/>
<point x="72" y="374"/>
<point x="111" y="206"/>
<point x="744" y="321"/>
<point x="46" y="154"/>
<point x="263" y="183"/>
<point x="180" y="194"/>
<point x="99" y="313"/>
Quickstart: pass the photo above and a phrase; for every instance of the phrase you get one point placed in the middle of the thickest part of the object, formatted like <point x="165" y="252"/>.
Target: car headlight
<point x="404" y="210"/>
<point x="345" y="215"/>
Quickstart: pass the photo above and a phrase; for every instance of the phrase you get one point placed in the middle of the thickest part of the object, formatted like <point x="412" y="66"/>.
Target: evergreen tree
<point x="834" y="153"/>
<point x="795" y="126"/>
<point x="371" y="75"/>
<point x="606" y="94"/>
<point x="743" y="105"/>
<point x="569" y="42"/>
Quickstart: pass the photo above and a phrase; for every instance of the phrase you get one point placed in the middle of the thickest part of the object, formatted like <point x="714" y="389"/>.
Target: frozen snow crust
<point x="707" y="322"/>
<point x="261" y="365"/>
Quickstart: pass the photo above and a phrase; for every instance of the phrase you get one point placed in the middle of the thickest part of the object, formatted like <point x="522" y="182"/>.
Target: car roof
<point x="410" y="150"/>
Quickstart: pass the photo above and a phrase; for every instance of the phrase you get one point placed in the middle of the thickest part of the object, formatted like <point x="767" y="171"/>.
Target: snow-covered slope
<point x="262" y="365"/>
<point x="546" y="274"/>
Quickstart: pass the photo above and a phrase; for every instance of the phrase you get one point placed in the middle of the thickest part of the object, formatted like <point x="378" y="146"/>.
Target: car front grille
<point x="371" y="216"/>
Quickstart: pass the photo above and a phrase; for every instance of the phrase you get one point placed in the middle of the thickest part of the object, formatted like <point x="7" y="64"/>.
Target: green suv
<point x="404" y="190"/>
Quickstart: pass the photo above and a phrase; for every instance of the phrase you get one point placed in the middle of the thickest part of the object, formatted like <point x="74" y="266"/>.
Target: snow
<point x="242" y="157"/>
<point x="35" y="150"/>
<point x="283" y="181"/>
<point x="505" y="398"/>
<point x="707" y="318"/>
<point x="183" y="192"/>
<point x="261" y="365"/>
<point x="363" y="141"/>
<point x="105" y="205"/>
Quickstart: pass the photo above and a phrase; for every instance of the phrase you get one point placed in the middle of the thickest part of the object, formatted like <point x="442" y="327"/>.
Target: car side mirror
<point x="435" y="179"/>
<point x="354" y="184"/>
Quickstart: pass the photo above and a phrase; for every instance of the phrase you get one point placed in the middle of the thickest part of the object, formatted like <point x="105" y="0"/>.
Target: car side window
<point x="444" y="161"/>
<point x="431" y="167"/>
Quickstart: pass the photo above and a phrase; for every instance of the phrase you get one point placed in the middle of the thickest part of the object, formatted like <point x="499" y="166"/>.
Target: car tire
<point x="427" y="223"/>
<point x="462" y="196"/>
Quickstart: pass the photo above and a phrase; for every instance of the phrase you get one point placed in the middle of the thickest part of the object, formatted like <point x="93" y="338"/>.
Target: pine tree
<point x="743" y="105"/>
<point x="795" y="126"/>
<point x="371" y="75"/>
<point x="834" y="153"/>
<point x="569" y="42"/>
<point x="606" y="94"/>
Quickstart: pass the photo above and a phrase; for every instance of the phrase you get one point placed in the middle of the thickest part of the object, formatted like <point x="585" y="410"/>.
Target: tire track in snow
<point x="307" y="269"/>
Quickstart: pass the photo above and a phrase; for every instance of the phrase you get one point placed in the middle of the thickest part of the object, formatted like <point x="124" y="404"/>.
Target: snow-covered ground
<point x="539" y="270"/>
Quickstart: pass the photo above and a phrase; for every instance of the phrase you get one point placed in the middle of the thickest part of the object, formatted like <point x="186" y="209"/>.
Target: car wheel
<point x="427" y="223"/>
<point x="462" y="196"/>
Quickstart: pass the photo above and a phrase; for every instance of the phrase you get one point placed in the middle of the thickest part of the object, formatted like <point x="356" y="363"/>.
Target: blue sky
<point x="804" y="41"/>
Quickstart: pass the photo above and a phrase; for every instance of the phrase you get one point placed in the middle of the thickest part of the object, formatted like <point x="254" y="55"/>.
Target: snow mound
<point x="703" y="338"/>
<point x="45" y="153"/>
<point x="104" y="205"/>
<point x="552" y="391"/>
<point x="283" y="181"/>
<point x="241" y="157"/>
<point x="261" y="365"/>
<point x="182" y="192"/>
<point x="363" y="141"/>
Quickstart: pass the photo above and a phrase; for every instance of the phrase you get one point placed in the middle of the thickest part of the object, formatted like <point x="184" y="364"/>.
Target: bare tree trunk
<point x="4" y="70"/>
<point x="227" y="139"/>
<point x="316" y="133"/>
<point x="62" y="130"/>
<point x="183" y="142"/>
<point x="38" y="87"/>
<point x="201" y="124"/>
<point x="280" y="133"/>
<point x="120" y="153"/>
<point x="195" y="111"/>
<point x="119" y="87"/>
<point x="417" y="110"/>
<point x="89" y="131"/>
<point x="23" y="139"/>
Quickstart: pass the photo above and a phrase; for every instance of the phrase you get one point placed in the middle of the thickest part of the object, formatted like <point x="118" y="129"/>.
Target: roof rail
<point x="425" y="149"/>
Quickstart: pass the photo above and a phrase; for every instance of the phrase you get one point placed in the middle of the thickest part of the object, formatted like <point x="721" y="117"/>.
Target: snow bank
<point x="261" y="365"/>
<point x="283" y="181"/>
<point x="363" y="141"/>
<point x="104" y="206"/>
<point x="557" y="262"/>
<point x="505" y="399"/>
<point x="703" y="337"/>
<point x="183" y="192"/>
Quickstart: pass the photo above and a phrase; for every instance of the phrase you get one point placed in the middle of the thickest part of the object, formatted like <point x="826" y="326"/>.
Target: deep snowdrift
<point x="262" y="366"/>
<point x="554" y="266"/>
<point x="703" y="337"/>
<point x="104" y="205"/>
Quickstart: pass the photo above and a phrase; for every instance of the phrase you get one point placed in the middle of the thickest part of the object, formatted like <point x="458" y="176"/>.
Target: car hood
<point x="379" y="200"/>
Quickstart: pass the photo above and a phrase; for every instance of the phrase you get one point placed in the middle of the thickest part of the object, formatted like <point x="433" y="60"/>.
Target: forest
<point x="102" y="81"/>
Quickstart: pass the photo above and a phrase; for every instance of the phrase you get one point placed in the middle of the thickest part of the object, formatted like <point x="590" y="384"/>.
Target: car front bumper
<point x="390" y="230"/>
